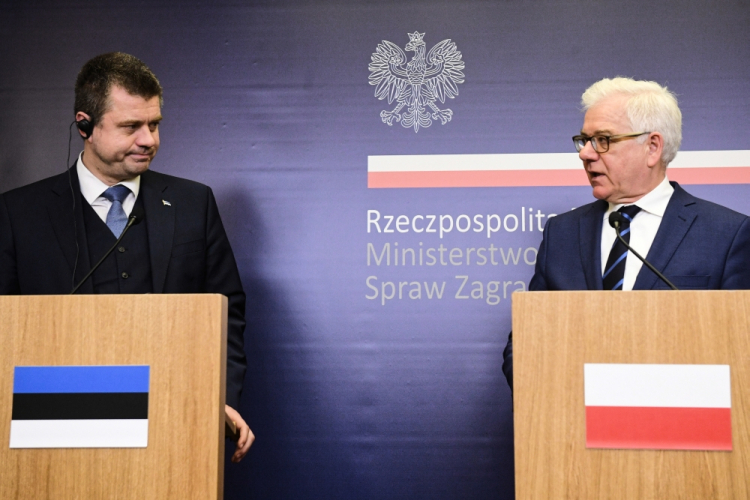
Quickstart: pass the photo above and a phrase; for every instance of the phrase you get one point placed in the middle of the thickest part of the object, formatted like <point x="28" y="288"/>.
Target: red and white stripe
<point x="538" y="169"/>
<point x="667" y="407"/>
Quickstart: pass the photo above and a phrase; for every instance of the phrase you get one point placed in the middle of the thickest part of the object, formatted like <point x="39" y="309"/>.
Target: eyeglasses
<point x="600" y="143"/>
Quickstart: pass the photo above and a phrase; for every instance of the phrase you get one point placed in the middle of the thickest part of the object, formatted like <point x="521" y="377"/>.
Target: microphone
<point x="136" y="216"/>
<point x="615" y="220"/>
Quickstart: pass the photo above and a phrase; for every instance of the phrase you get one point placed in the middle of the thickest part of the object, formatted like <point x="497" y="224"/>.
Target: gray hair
<point x="650" y="107"/>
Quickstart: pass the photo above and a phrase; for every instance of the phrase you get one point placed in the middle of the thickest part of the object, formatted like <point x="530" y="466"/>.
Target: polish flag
<point x="663" y="407"/>
<point x="538" y="169"/>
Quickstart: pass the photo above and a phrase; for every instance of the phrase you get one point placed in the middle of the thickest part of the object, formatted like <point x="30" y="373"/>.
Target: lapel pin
<point x="166" y="203"/>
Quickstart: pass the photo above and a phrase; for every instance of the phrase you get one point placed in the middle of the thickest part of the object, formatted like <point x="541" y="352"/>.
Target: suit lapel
<point x="590" y="231"/>
<point x="67" y="223"/>
<point x="160" y="225"/>
<point x="678" y="217"/>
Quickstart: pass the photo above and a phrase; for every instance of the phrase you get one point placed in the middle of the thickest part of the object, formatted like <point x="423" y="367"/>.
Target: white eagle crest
<point x="418" y="83"/>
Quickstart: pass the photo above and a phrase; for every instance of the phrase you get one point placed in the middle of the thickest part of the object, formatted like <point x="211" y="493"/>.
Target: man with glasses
<point x="631" y="132"/>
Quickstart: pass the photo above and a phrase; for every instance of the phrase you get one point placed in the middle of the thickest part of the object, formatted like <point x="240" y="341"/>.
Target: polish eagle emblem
<point x="416" y="84"/>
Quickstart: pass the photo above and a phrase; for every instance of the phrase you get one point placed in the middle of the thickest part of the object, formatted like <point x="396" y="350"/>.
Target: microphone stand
<point x="616" y="224"/>
<point x="132" y="220"/>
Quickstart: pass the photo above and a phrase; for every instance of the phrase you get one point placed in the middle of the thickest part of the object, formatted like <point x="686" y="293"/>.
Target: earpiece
<point x="68" y="167"/>
<point x="85" y="126"/>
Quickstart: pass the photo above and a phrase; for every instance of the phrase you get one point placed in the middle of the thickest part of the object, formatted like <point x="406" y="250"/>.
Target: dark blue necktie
<point x="116" y="218"/>
<point x="614" y="271"/>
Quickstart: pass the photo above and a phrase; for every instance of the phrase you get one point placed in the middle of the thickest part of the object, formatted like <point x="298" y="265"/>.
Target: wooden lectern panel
<point x="181" y="337"/>
<point x="555" y="333"/>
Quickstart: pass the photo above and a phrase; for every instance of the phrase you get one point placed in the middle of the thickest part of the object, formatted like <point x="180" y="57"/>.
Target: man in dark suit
<point x="631" y="131"/>
<point x="53" y="231"/>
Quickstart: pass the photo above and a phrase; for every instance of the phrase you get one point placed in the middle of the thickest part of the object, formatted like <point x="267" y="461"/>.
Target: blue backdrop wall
<point x="355" y="391"/>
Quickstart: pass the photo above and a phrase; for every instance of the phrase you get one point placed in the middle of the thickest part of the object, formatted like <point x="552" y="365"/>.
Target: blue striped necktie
<point x="614" y="271"/>
<point x="116" y="217"/>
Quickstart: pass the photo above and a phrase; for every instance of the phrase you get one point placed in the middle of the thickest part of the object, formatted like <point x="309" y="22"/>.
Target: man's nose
<point x="588" y="152"/>
<point x="146" y="137"/>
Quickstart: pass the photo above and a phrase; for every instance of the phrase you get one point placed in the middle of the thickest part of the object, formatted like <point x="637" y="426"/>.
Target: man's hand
<point x="246" y="435"/>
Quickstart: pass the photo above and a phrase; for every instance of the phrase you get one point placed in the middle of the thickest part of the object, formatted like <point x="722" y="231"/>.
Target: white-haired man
<point x="631" y="132"/>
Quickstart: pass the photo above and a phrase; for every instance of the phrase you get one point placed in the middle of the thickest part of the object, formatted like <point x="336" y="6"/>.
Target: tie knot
<point x="629" y="212"/>
<point x="116" y="193"/>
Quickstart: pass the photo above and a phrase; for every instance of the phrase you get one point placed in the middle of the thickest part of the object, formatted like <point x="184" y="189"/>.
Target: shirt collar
<point x="92" y="188"/>
<point x="655" y="202"/>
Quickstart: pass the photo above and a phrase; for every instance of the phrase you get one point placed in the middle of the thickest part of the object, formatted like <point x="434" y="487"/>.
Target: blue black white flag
<point x="80" y="407"/>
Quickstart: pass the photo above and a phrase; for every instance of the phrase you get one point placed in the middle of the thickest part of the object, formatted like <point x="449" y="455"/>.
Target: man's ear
<point x="85" y="124"/>
<point x="655" y="144"/>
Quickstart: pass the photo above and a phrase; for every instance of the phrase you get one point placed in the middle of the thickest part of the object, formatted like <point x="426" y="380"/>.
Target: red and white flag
<point x="663" y="407"/>
<point x="538" y="169"/>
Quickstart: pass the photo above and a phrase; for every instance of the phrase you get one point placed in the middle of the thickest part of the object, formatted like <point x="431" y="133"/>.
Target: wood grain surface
<point x="181" y="337"/>
<point x="555" y="333"/>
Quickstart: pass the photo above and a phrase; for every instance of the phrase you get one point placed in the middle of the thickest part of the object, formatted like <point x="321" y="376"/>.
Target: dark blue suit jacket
<point x="699" y="246"/>
<point x="188" y="248"/>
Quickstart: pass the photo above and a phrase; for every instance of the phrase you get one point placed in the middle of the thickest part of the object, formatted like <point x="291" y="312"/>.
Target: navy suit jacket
<point x="188" y="248"/>
<point x="699" y="246"/>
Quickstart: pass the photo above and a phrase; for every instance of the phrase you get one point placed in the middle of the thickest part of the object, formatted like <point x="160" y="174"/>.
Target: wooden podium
<point x="555" y="333"/>
<point x="183" y="340"/>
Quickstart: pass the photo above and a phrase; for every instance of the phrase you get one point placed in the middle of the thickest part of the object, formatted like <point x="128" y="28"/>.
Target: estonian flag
<point x="663" y="407"/>
<point x="80" y="407"/>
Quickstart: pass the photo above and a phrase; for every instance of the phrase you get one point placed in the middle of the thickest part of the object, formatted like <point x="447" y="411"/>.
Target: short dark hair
<point x="97" y="76"/>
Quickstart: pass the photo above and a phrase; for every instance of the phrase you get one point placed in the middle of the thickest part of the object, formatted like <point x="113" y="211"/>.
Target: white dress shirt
<point x="642" y="230"/>
<point x="92" y="189"/>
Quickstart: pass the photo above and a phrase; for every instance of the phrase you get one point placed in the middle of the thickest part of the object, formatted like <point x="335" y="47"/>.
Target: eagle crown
<point x="415" y="40"/>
